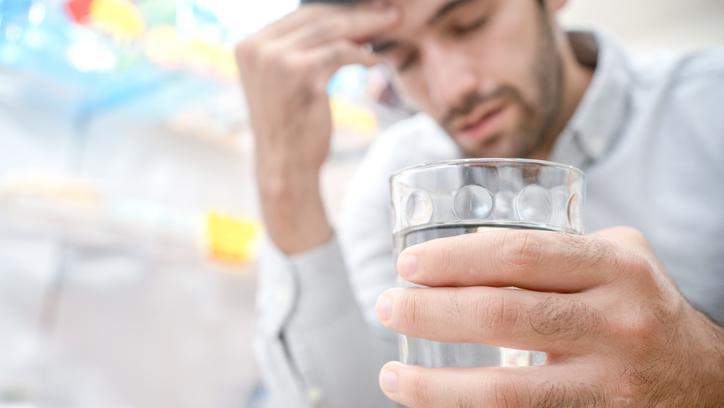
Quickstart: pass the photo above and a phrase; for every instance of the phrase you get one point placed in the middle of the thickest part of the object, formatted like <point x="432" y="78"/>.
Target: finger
<point x="625" y="236"/>
<point x="548" y="386"/>
<point x="358" y="26"/>
<point x="325" y="60"/>
<point x="520" y="319"/>
<point x="312" y="14"/>
<point x="529" y="259"/>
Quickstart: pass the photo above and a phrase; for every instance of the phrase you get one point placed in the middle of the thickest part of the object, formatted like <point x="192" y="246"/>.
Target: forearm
<point x="293" y="212"/>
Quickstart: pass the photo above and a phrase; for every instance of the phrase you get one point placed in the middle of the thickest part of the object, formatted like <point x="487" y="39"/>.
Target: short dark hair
<point x="330" y="1"/>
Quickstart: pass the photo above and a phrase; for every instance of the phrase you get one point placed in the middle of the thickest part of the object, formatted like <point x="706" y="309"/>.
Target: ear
<point x="555" y="5"/>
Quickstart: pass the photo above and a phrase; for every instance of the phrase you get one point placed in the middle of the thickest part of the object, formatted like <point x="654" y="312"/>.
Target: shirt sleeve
<point x="313" y="346"/>
<point x="319" y="343"/>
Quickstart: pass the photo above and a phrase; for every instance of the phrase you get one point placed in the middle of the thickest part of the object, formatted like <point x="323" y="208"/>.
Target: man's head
<point x="490" y="71"/>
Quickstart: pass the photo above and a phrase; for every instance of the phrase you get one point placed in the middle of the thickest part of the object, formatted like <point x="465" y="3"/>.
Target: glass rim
<point x="508" y="161"/>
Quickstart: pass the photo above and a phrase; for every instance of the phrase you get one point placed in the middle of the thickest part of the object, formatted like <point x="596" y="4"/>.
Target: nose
<point x="448" y="74"/>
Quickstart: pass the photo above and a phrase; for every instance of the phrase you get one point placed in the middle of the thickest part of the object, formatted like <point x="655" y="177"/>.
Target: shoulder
<point x="687" y="88"/>
<point x="684" y="94"/>
<point x="692" y="80"/>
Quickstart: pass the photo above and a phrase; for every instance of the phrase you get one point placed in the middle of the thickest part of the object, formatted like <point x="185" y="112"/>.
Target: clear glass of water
<point x="445" y="199"/>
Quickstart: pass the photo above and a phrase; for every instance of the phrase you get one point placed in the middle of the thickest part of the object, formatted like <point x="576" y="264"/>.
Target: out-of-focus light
<point x="88" y="55"/>
<point x="10" y="55"/>
<point x="78" y="10"/>
<point x="37" y="13"/>
<point x="120" y="18"/>
<point x="13" y="32"/>
<point x="166" y="47"/>
<point x="245" y="17"/>
<point x="35" y="38"/>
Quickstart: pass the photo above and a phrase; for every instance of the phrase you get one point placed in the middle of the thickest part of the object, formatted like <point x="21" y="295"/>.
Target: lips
<point x="482" y="123"/>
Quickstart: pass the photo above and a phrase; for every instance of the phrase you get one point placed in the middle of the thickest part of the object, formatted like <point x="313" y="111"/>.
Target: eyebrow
<point x="447" y="8"/>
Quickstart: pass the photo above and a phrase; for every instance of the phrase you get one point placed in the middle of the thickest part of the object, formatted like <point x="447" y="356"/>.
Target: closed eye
<point x="463" y="29"/>
<point x="407" y="62"/>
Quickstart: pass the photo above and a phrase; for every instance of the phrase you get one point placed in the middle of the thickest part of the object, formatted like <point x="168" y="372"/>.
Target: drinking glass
<point x="445" y="199"/>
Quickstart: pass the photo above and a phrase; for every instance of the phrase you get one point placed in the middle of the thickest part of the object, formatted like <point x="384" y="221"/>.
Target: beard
<point x="536" y="118"/>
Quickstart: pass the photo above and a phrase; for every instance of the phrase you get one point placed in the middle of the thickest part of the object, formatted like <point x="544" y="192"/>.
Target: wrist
<point x="294" y="213"/>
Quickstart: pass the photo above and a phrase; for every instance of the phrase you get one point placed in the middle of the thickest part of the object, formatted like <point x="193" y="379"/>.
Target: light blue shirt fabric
<point x="650" y="137"/>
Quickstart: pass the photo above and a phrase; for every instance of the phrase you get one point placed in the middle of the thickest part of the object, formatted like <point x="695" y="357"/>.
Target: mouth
<point x="481" y="124"/>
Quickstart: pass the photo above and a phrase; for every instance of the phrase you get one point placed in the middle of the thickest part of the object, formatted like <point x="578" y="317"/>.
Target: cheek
<point x="509" y="49"/>
<point x="414" y="90"/>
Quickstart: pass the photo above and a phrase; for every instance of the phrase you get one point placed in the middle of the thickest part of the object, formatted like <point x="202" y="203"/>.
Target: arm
<point x="313" y="344"/>
<point x="284" y="72"/>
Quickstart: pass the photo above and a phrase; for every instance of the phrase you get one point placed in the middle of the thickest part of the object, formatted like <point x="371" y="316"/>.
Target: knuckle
<point x="521" y="249"/>
<point x="408" y="306"/>
<point x="557" y="394"/>
<point x="508" y="394"/>
<point x="638" y="268"/>
<point x="266" y="56"/>
<point x="583" y="252"/>
<point x="246" y="50"/>
<point x="495" y="312"/>
<point x="633" y="234"/>
<point x="352" y="20"/>
<point x="290" y="64"/>
<point x="570" y="319"/>
<point x="455" y="308"/>
<point x="335" y="56"/>
<point x="331" y="29"/>
<point x="637" y="329"/>
<point x="444" y="261"/>
<point x="553" y="395"/>
<point x="465" y="400"/>
<point x="630" y="384"/>
<point x="420" y="389"/>
<point x="320" y="31"/>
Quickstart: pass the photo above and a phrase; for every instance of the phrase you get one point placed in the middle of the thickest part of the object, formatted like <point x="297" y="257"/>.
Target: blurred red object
<point x="79" y="10"/>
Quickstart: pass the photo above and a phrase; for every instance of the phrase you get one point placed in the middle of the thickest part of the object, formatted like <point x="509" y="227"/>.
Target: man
<point x="494" y="78"/>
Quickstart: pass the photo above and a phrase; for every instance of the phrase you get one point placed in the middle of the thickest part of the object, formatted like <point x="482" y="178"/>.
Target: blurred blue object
<point x="38" y="38"/>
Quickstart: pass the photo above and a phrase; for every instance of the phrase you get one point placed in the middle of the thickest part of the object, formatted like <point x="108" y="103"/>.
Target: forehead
<point x="417" y="13"/>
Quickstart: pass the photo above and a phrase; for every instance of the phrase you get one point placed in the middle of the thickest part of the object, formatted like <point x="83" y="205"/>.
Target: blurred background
<point x="128" y="217"/>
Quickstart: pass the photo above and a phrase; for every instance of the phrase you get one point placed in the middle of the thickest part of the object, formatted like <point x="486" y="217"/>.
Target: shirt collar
<point x="603" y="111"/>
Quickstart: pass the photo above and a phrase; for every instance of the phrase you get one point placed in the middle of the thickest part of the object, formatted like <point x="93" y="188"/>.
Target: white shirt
<point x="650" y="138"/>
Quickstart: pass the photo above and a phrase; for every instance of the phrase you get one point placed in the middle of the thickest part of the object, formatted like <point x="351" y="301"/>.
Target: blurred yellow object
<point x="232" y="239"/>
<point x="64" y="190"/>
<point x="213" y="57"/>
<point x="120" y="18"/>
<point x="165" y="47"/>
<point x="350" y="116"/>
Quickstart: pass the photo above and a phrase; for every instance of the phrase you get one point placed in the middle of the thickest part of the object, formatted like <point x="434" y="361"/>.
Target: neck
<point x="576" y="79"/>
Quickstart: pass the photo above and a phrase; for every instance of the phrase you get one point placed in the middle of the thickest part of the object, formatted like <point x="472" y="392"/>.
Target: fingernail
<point x="388" y="380"/>
<point x="384" y="307"/>
<point x="407" y="265"/>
